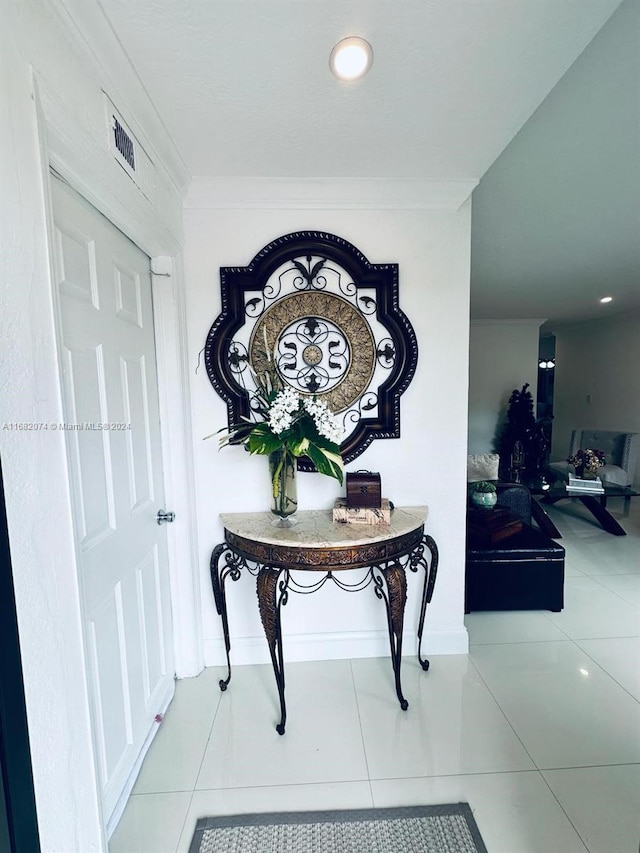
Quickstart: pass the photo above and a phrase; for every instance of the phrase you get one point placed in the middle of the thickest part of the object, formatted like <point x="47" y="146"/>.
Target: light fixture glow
<point x="351" y="58"/>
<point x="606" y="299"/>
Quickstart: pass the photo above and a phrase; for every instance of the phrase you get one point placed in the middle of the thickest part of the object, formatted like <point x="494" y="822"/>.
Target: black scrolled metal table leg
<point x="218" y="577"/>
<point x="395" y="599"/>
<point x="272" y="595"/>
<point x="431" y="570"/>
<point x="221" y="607"/>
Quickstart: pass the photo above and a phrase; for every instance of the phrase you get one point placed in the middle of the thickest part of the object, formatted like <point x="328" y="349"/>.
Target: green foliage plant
<point x="484" y="487"/>
<point x="290" y="423"/>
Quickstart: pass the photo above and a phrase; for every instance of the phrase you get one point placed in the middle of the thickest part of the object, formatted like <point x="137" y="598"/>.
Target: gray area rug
<point x="414" y="829"/>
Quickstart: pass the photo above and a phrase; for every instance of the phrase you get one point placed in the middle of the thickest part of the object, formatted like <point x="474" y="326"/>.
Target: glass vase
<point x="284" y="492"/>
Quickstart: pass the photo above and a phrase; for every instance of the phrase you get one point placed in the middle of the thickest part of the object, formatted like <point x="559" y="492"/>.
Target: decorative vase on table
<point x="484" y="495"/>
<point x="486" y="500"/>
<point x="282" y="470"/>
<point x="586" y="473"/>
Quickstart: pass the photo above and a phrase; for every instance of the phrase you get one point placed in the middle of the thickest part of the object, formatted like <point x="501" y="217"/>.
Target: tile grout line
<point x="184" y="824"/>
<point x="538" y="770"/>
<point x="551" y="791"/>
<point x="600" y="666"/>
<point x="208" y="741"/>
<point x="197" y="775"/>
<point x="503" y="712"/>
<point x="595" y="578"/>
<point x="364" y="748"/>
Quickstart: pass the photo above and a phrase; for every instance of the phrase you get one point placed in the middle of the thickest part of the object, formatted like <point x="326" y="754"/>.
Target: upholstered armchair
<point x="621" y="450"/>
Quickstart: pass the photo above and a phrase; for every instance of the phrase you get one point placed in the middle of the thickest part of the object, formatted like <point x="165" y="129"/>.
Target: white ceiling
<point x="556" y="219"/>
<point x="244" y="87"/>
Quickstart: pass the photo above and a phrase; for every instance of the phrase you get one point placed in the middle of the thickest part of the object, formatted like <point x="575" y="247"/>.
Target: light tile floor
<point x="538" y="728"/>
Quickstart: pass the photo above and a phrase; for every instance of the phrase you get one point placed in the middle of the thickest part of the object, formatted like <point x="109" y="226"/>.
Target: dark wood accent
<point x="18" y="820"/>
<point x="596" y="504"/>
<point x="324" y="559"/>
<point x="542" y="519"/>
<point x="364" y="489"/>
<point x="599" y="511"/>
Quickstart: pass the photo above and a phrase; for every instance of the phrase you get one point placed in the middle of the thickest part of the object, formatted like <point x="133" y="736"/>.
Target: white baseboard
<point x="336" y="646"/>
<point x="163" y="704"/>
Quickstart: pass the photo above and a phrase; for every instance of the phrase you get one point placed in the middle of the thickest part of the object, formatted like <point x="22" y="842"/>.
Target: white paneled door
<point x="113" y="437"/>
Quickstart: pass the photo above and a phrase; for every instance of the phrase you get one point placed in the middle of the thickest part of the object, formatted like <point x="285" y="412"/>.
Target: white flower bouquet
<point x="295" y="424"/>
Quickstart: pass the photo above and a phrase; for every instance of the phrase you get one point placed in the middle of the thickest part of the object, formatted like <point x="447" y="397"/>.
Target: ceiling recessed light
<point x="351" y="58"/>
<point x="606" y="299"/>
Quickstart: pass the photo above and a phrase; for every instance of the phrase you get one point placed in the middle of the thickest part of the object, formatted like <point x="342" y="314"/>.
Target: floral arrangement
<point x="291" y="424"/>
<point x="589" y="460"/>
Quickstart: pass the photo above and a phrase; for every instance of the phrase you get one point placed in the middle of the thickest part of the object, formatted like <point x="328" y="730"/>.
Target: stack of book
<point x="590" y="487"/>
<point x="343" y="514"/>
<point x="486" y="526"/>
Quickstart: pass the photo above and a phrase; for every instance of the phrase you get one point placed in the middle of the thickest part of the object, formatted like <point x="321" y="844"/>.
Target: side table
<point x="317" y="544"/>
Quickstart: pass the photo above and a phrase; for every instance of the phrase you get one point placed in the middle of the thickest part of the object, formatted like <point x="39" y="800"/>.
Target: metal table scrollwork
<point x="317" y="544"/>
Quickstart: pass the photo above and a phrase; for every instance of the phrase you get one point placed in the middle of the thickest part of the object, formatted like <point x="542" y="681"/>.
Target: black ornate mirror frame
<point x="334" y="326"/>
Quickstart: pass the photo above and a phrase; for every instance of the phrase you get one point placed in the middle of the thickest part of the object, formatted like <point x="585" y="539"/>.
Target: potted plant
<point x="484" y="494"/>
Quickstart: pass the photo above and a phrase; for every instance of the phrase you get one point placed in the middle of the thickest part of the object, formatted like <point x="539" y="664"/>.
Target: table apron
<point x="313" y="559"/>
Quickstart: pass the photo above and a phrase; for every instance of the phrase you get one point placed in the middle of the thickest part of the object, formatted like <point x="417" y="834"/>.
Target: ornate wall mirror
<point x="331" y="322"/>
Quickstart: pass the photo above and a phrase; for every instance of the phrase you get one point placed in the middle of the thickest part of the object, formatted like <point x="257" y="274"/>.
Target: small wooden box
<point x="343" y="514"/>
<point x="364" y="489"/>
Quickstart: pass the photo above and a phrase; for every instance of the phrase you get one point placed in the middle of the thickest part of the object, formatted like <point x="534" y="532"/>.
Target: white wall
<point x="425" y="466"/>
<point x="503" y="355"/>
<point x="37" y="44"/>
<point x="600" y="360"/>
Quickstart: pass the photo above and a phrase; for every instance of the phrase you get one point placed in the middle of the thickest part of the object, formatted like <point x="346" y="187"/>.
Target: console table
<point x="317" y="544"/>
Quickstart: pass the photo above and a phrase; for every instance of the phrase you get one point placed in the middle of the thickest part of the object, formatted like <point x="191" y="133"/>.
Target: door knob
<point x="164" y="517"/>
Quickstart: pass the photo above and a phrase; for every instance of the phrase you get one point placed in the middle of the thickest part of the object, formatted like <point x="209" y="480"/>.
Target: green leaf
<point x="299" y="446"/>
<point x="325" y="444"/>
<point x="326" y="463"/>
<point x="263" y="443"/>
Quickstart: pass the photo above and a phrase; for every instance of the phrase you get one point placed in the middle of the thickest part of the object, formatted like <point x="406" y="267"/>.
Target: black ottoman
<point x="522" y="572"/>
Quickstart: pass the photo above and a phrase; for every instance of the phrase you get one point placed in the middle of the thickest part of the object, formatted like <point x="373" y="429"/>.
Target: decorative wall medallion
<point x="332" y="323"/>
<point x="321" y="344"/>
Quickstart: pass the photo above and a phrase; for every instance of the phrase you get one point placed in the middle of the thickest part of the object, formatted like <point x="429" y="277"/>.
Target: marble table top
<point x="316" y="528"/>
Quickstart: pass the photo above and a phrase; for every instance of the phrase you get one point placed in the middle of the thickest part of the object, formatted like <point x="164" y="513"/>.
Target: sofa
<point x="522" y="572"/>
<point x="621" y="451"/>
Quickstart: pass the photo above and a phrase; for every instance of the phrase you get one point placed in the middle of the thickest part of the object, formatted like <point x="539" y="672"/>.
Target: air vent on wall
<point x="124" y="143"/>
<point x="128" y="152"/>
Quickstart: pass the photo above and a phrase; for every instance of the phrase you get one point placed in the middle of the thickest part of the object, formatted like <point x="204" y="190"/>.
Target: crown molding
<point x="523" y="322"/>
<point x="240" y="193"/>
